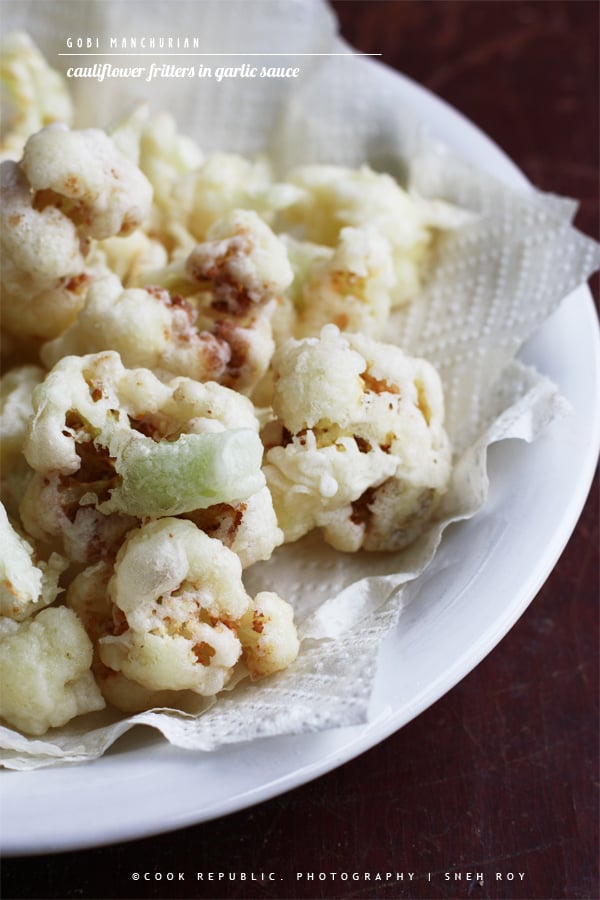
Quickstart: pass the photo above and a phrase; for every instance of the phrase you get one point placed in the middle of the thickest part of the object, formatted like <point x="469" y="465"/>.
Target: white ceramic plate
<point x="463" y="606"/>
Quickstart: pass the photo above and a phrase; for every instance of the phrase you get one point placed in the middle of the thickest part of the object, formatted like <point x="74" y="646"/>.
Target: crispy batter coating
<point x="358" y="447"/>
<point x="84" y="175"/>
<point x="268" y="636"/>
<point x="244" y="267"/>
<point x="222" y="332"/>
<point x="181" y="594"/>
<point x="349" y="285"/>
<point x="171" y="615"/>
<point x="42" y="262"/>
<point x="69" y="187"/>
<point x="248" y="528"/>
<point x="191" y="190"/>
<point x="112" y="318"/>
<point x="16" y="387"/>
<point x="226" y="181"/>
<point x="153" y="142"/>
<point x="26" y="584"/>
<point x="242" y="260"/>
<point x="110" y="444"/>
<point x="45" y="672"/>
<point x="129" y="256"/>
<point x="88" y="597"/>
<point x="332" y="198"/>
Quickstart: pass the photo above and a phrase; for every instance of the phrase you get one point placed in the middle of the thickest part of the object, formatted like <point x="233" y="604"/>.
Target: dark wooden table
<point x="499" y="776"/>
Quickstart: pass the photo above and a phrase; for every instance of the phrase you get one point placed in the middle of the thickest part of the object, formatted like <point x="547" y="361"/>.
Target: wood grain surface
<point x="500" y="776"/>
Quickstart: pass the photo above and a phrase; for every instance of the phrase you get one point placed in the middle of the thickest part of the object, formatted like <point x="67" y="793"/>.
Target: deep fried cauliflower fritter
<point x="45" y="672"/>
<point x="69" y="187"/>
<point x="113" y="317"/>
<point x="358" y="447"/>
<point x="84" y="175"/>
<point x="348" y="285"/>
<point x="42" y="262"/>
<point x="174" y="614"/>
<point x="220" y="332"/>
<point x="26" y="584"/>
<point x="332" y="198"/>
<point x="110" y="445"/>
<point x="16" y="387"/>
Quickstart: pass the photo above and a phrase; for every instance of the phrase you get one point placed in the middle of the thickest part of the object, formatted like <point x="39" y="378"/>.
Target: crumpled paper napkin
<point x="495" y="281"/>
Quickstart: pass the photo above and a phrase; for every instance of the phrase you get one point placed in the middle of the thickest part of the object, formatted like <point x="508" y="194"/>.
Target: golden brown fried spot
<point x="422" y="402"/>
<point x="363" y="445"/>
<point x="378" y="386"/>
<point x="203" y="653"/>
<point x="221" y="518"/>
<point x="78" y="283"/>
<point x="120" y="624"/>
<point x="361" y="511"/>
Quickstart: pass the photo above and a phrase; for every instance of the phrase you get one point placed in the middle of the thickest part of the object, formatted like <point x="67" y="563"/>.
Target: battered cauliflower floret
<point x="128" y="257"/>
<point x="235" y="280"/>
<point x="88" y="597"/>
<point x="16" y="387"/>
<point x="26" y="584"/>
<point x="358" y="446"/>
<point x="37" y="92"/>
<point x="192" y="192"/>
<point x="250" y="345"/>
<point x="223" y="182"/>
<point x="181" y="594"/>
<point x="154" y="144"/>
<point x="249" y="528"/>
<point x="268" y="635"/>
<point x="43" y="267"/>
<point x="334" y="197"/>
<point x="242" y="261"/>
<point x="109" y="443"/>
<point x="349" y="285"/>
<point x="83" y="174"/>
<point x="69" y="187"/>
<point x="166" y="155"/>
<point x="111" y="320"/>
<point x="45" y="672"/>
<point x="180" y="598"/>
<point x="245" y="267"/>
<point x="62" y="512"/>
<point x="234" y="353"/>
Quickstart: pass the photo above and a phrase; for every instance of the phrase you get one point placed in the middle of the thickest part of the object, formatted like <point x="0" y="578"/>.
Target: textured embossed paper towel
<point x="495" y="282"/>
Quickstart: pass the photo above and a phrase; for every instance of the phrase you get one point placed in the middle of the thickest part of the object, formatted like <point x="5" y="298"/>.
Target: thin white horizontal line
<point x="291" y="53"/>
